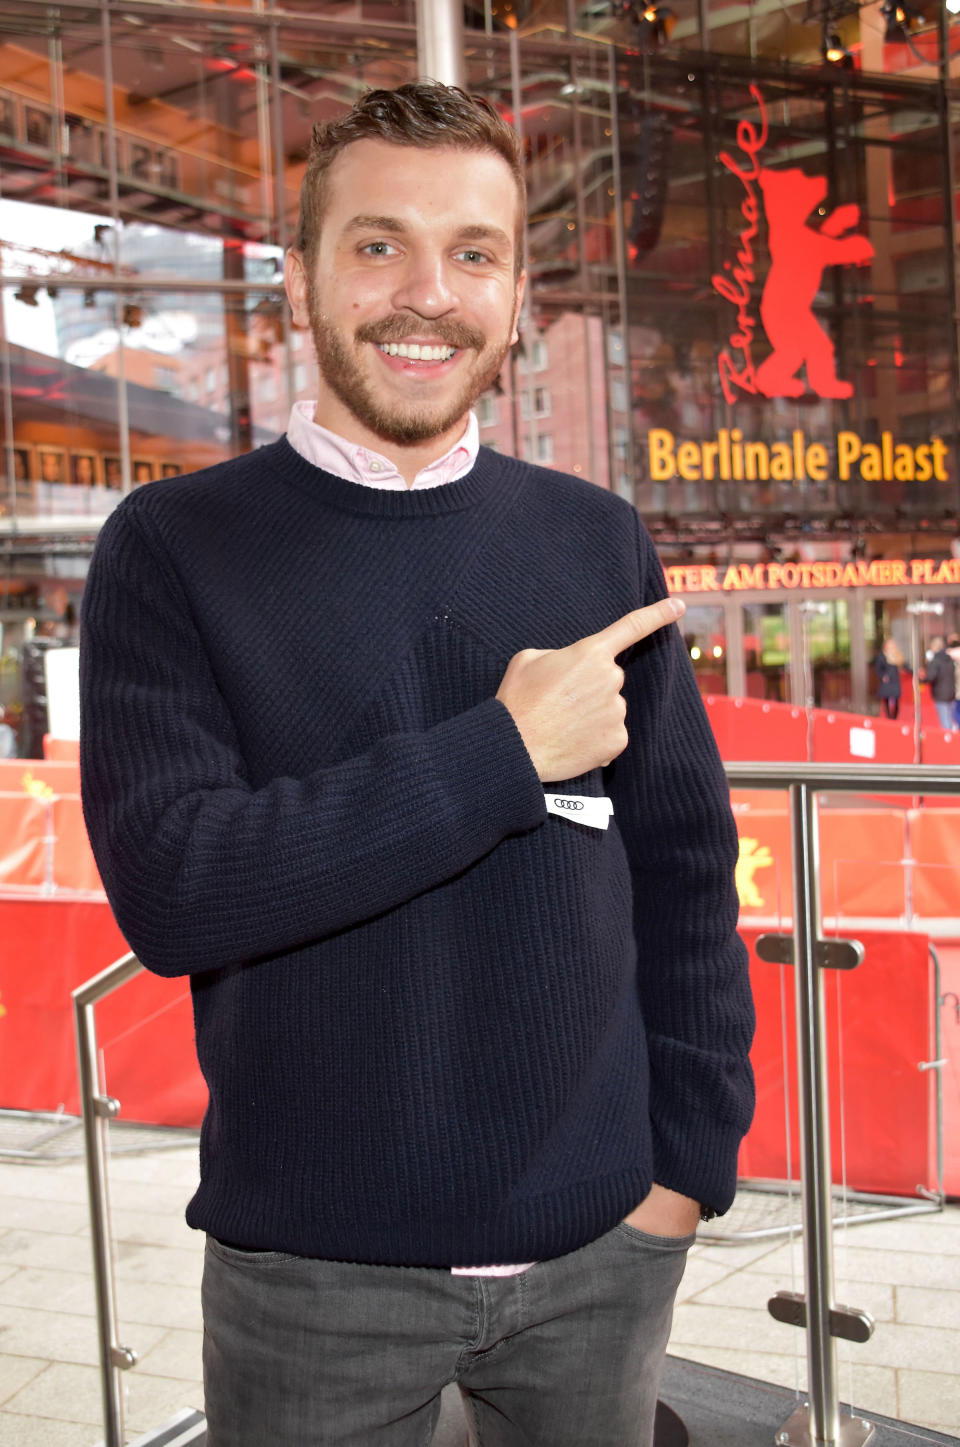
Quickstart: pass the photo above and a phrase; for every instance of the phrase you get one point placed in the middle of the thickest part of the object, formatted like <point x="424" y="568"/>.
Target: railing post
<point x="97" y="1110"/>
<point x="814" y="1118"/>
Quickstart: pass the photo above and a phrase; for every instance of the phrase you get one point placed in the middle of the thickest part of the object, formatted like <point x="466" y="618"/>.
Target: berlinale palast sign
<point x="798" y="345"/>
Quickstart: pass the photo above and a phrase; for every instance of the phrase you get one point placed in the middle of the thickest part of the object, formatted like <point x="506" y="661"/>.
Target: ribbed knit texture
<point x="434" y="1030"/>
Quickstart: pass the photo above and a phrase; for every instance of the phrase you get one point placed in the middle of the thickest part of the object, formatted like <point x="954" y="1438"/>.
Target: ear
<point x="517" y="304"/>
<point x="295" y="284"/>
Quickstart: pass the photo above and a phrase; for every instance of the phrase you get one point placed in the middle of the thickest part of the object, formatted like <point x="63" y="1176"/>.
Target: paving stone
<point x="19" y="1431"/>
<point x="63" y="1337"/>
<point x="928" y="1307"/>
<point x="15" y="1372"/>
<point x="930" y="1397"/>
<point x="65" y="1217"/>
<point x="178" y="1354"/>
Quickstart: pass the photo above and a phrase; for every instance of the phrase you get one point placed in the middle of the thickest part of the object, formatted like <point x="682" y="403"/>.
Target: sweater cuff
<point x="497" y="788"/>
<point x="698" y="1123"/>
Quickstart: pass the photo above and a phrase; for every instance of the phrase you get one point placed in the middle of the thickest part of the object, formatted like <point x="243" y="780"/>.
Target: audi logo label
<point x="573" y="804"/>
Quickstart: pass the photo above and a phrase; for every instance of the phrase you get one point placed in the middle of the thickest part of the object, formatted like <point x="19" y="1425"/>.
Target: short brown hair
<point x="420" y="113"/>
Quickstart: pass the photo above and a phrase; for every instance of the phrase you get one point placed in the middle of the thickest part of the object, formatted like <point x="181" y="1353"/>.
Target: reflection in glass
<point x="766" y="648"/>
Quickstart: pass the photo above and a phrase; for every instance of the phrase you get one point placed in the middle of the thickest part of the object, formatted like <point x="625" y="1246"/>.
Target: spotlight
<point x="836" y="53"/>
<point x="901" y="19"/>
<point x="27" y="294"/>
<point x="658" y="21"/>
<point x="953" y="6"/>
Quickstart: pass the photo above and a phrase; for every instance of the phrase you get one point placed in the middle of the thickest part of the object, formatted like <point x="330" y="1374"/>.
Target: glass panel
<point x="789" y="351"/>
<point x="704" y="633"/>
<point x="826" y="628"/>
<point x="766" y="649"/>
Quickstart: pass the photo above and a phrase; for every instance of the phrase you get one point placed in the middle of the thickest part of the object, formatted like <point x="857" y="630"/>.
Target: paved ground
<point x="906" y="1273"/>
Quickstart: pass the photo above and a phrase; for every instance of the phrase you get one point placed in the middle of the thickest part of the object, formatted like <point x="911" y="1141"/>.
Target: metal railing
<point x="99" y="1108"/>
<point x="820" y="1423"/>
<point x="816" y="1424"/>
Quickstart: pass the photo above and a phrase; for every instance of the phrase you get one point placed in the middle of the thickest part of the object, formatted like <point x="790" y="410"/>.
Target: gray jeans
<point x="306" y="1353"/>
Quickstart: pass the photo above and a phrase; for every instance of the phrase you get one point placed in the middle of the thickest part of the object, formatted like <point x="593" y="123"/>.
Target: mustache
<point x="398" y="329"/>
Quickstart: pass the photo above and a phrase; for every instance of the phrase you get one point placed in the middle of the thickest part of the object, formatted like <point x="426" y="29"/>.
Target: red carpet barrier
<point x="878" y="1028"/>
<point x="145" y="1030"/>
<point x="754" y="730"/>
<point x="861" y="859"/>
<point x="56" y="931"/>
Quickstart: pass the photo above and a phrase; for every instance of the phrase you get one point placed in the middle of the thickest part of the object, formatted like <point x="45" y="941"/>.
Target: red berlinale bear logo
<point x="799" y="252"/>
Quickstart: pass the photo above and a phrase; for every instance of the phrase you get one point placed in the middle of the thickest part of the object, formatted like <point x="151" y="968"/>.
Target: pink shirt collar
<point x="358" y="464"/>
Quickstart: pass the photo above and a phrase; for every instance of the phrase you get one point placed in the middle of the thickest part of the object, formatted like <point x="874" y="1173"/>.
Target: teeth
<point x="417" y="352"/>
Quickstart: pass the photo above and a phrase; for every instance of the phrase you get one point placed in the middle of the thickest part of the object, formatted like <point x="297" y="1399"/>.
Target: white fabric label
<point x="581" y="808"/>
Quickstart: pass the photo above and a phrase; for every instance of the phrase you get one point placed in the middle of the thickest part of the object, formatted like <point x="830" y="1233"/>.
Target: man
<point x="353" y="729"/>
<point x="942" y="680"/>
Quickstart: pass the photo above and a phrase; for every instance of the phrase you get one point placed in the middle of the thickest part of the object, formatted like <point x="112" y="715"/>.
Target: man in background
<point x="390" y="744"/>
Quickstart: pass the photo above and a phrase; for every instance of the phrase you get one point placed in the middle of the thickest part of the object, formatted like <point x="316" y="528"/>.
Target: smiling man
<point x="390" y="744"/>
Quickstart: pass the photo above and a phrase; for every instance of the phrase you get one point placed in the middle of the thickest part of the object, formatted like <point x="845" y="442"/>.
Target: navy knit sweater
<point x="438" y="1025"/>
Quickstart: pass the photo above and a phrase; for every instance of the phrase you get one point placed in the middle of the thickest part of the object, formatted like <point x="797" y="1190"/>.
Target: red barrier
<point x="44" y="841"/>
<point x="861" y="868"/>
<point x="61" y="750"/>
<point x="844" y="738"/>
<point x="878" y="1027"/>
<point x="49" y="949"/>
<point x="752" y="729"/>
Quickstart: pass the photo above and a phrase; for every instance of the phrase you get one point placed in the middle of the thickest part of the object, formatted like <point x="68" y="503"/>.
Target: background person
<point x="942" y="680"/>
<point x="353" y="722"/>
<point x="886" y="665"/>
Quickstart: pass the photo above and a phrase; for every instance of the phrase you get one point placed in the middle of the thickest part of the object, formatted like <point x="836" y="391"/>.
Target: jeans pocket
<point x="243" y="1255"/>
<point x="656" y="1243"/>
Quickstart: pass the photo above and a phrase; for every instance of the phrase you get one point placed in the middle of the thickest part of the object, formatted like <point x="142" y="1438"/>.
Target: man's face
<point x="417" y="249"/>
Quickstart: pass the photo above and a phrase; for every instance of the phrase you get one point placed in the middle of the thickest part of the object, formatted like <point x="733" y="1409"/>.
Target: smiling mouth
<point x="417" y="352"/>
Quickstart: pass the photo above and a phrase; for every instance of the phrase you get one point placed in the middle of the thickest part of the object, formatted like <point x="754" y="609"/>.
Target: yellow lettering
<point x="924" y="464"/>
<point x="757" y="461"/>
<point x="731" y="579"/>
<point x="848" y="450"/>
<point x="752" y="577"/>
<point x="709" y="452"/>
<point x="674" y="578"/>
<point x="850" y="579"/>
<point x="899" y="570"/>
<point x="781" y="462"/>
<point x="688" y="461"/>
<point x="799" y="473"/>
<point x="871" y="466"/>
<point x="723" y="441"/>
<point x="817" y="462"/>
<point x="939" y="450"/>
<point x="886" y="448"/>
<point x="662" y="462"/>
<point x="903" y="468"/>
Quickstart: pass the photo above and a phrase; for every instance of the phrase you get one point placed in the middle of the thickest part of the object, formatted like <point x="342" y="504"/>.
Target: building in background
<point x="742" y="313"/>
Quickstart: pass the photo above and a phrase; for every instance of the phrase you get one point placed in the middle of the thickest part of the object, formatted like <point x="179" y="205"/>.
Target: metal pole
<point x="814" y="1120"/>
<point x="440" y="41"/>
<point x="97" y="1110"/>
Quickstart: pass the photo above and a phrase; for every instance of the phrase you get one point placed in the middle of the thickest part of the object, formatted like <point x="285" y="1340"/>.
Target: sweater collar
<point x="491" y="473"/>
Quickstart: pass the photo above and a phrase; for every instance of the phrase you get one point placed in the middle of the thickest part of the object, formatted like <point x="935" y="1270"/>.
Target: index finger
<point x="640" y="624"/>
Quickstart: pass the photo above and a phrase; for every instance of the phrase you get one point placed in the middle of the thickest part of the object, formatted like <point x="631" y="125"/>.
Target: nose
<point x="425" y="286"/>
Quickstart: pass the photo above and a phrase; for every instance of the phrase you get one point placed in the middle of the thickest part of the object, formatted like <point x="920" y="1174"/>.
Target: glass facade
<point x="742" y="310"/>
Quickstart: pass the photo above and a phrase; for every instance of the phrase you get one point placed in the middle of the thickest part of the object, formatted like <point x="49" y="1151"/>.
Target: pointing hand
<point x="566" y="702"/>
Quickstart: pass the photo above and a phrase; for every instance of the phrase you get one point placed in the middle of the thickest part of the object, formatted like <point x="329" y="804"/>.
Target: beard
<point x="402" y="423"/>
